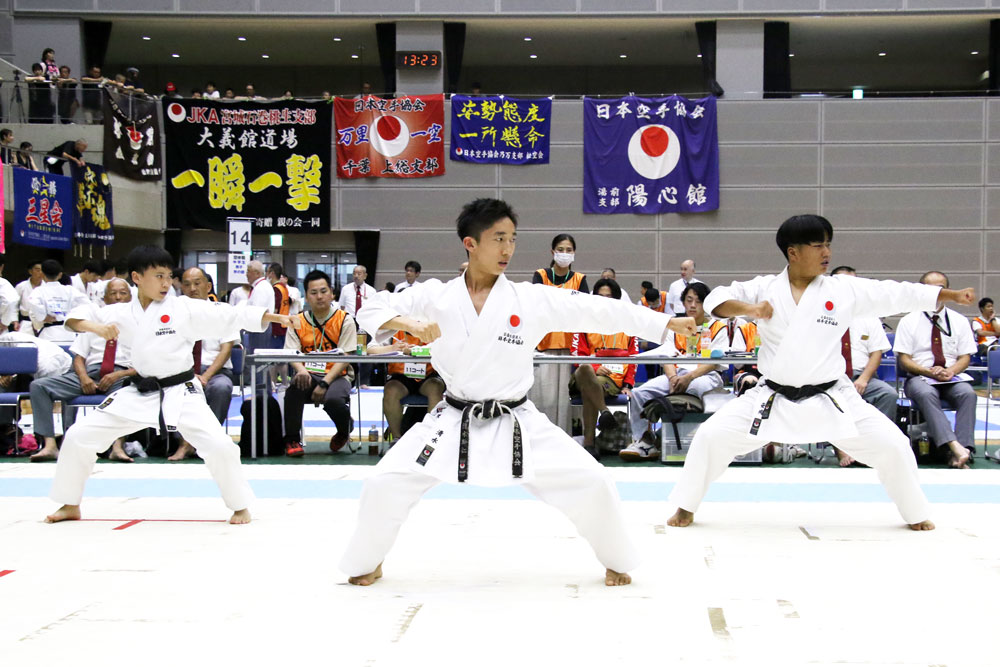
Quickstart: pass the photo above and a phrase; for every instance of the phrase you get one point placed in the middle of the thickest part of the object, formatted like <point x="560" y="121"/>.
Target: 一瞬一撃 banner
<point x="265" y="160"/>
<point x="650" y="155"/>
<point x="394" y="138"/>
<point x="500" y="130"/>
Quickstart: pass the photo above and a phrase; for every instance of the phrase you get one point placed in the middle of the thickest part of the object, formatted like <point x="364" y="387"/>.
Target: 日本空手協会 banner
<point x="266" y="160"/>
<point x="650" y="155"/>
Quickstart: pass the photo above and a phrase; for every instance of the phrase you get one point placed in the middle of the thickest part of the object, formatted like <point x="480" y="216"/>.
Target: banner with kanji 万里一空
<point x="390" y="138"/>
<point x="650" y="155"/>
<point x="43" y="209"/>
<point x="500" y="130"/>
<point x="265" y="160"/>
<point x="131" y="136"/>
<point x="93" y="217"/>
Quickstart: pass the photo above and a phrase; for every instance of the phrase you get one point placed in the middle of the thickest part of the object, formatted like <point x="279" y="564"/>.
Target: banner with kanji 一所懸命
<point x="650" y="155"/>
<point x="43" y="209"/>
<point x="265" y="160"/>
<point x="390" y="138"/>
<point x="500" y="130"/>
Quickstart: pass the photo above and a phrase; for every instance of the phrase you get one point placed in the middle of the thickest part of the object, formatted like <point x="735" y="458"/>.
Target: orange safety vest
<point x="400" y="368"/>
<point x="559" y="340"/>
<point x="617" y="345"/>
<point x="680" y="342"/>
<point x="321" y="339"/>
<point x="282" y="306"/>
<point x="663" y="302"/>
<point x="983" y="326"/>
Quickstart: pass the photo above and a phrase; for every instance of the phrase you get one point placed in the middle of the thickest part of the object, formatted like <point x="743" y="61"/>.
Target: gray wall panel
<point x="561" y="210"/>
<point x="534" y="6"/>
<point x="377" y="6"/>
<point x="594" y="252"/>
<point x="902" y="120"/>
<point x="399" y="209"/>
<point x="130" y="5"/>
<point x="7" y="39"/>
<point x="743" y="253"/>
<point x="992" y="244"/>
<point x="781" y="5"/>
<point x="903" y="208"/>
<point x="993" y="208"/>
<point x="746" y="208"/>
<point x="891" y="251"/>
<point x="567" y="122"/>
<point x="457" y="6"/>
<point x="601" y="6"/>
<point x="887" y="164"/>
<point x="565" y="167"/>
<point x="439" y="252"/>
<point x="53" y="5"/>
<point x="993" y="120"/>
<point x="760" y="122"/>
<point x="860" y="5"/>
<point x="768" y="165"/>
<point x="993" y="163"/>
<point x="946" y="4"/>
<point x="695" y="6"/>
<point x="243" y="6"/>
<point x="296" y="6"/>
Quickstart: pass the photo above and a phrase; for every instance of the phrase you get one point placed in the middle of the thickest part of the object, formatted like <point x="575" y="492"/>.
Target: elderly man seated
<point x="97" y="368"/>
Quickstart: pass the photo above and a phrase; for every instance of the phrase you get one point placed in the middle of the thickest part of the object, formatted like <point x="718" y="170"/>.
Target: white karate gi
<point x="489" y="356"/>
<point x="24" y="290"/>
<point x="160" y="339"/>
<point x="9" y="302"/>
<point x="801" y="345"/>
<point x="52" y="298"/>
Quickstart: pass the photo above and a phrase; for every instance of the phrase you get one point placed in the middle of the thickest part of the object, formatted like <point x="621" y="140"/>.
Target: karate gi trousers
<point x="879" y="444"/>
<point x="196" y="424"/>
<point x="565" y="476"/>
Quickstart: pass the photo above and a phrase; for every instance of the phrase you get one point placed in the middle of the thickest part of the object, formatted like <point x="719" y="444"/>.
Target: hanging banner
<point x="650" y="155"/>
<point x="93" y="220"/>
<point x="131" y="136"/>
<point x="266" y="160"/>
<point x="397" y="138"/>
<point x="500" y="130"/>
<point x="43" y="209"/>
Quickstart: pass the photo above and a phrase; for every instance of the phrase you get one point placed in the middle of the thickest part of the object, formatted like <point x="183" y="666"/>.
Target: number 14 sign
<point x="240" y="231"/>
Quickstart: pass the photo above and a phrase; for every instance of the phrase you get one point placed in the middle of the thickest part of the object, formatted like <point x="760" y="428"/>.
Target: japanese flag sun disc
<point x="653" y="151"/>
<point x="176" y="112"/>
<point x="389" y="135"/>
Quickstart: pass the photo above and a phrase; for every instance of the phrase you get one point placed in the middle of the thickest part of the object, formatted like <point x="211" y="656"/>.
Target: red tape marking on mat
<point x="4" y="573"/>
<point x="131" y="522"/>
<point x="127" y="525"/>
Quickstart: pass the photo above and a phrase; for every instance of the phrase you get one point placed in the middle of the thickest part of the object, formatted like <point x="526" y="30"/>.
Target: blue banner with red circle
<point x="496" y="129"/>
<point x="650" y="155"/>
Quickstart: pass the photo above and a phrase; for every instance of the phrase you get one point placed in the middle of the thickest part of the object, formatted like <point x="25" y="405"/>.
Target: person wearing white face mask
<point x="550" y="393"/>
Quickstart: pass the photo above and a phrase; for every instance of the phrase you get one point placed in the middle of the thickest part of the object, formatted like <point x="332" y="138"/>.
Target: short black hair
<point x="701" y="290"/>
<point x="148" y="257"/>
<point x="6" y="132"/>
<point x="651" y="295"/>
<point x="291" y="281"/>
<point x="51" y="269"/>
<point x="843" y="269"/>
<point x="3" y="259"/>
<point x="984" y="302"/>
<point x="316" y="274"/>
<point x="646" y="285"/>
<point x="275" y="268"/>
<point x="480" y="214"/>
<point x="93" y="266"/>
<point x="390" y="287"/>
<point x="927" y="275"/>
<point x="800" y="229"/>
<point x="611" y="270"/>
<point x="177" y="272"/>
<point x="414" y="264"/>
<point x="616" y="290"/>
<point x="33" y="263"/>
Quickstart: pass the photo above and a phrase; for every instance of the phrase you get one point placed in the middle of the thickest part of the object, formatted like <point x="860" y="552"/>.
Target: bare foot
<point x="612" y="578"/>
<point x="923" y="525"/>
<point x="64" y="513"/>
<point x="45" y="454"/>
<point x="681" y="519"/>
<point x="185" y="450"/>
<point x="369" y="579"/>
<point x="843" y="457"/>
<point x="959" y="455"/>
<point x="240" y="516"/>
<point x="118" y="453"/>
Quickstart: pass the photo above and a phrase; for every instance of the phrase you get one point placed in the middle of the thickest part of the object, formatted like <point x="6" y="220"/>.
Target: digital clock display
<point x="418" y="59"/>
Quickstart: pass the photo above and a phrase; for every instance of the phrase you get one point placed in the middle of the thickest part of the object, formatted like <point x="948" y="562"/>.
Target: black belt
<point x="53" y="324"/>
<point x="795" y="394"/>
<point x="149" y="385"/>
<point x="487" y="410"/>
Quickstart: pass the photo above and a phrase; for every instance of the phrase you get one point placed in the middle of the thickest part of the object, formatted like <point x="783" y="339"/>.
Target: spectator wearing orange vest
<point x="282" y="301"/>
<point x="411" y="377"/>
<point x="680" y="380"/>
<point x="654" y="300"/>
<point x="595" y="382"/>
<point x="986" y="328"/>
<point x="610" y="274"/>
<point x="549" y="392"/>
<point x="323" y="329"/>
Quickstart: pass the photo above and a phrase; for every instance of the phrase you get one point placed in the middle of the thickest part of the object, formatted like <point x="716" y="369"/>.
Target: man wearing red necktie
<point x="97" y="368"/>
<point x="935" y="349"/>
<point x="352" y="298"/>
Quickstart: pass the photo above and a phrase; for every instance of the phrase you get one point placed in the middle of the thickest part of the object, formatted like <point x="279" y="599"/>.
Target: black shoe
<point x="607" y="422"/>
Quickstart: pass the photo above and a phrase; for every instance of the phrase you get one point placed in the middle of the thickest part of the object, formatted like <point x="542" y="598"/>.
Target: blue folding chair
<point x="17" y="359"/>
<point x="992" y="373"/>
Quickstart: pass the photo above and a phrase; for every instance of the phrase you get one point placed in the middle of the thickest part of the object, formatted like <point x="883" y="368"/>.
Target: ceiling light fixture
<point x="336" y="39"/>
<point x="974" y="53"/>
<point x="532" y="56"/>
<point x="264" y="55"/>
<point x="146" y="37"/>
<point x="354" y="56"/>
<point x="623" y="56"/>
<point x="881" y="54"/>
<point x="175" y="55"/>
<point x="527" y="39"/>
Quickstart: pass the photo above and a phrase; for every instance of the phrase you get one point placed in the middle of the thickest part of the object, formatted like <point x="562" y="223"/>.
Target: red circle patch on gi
<point x="515" y="322"/>
<point x="829" y="305"/>
<point x="164" y="318"/>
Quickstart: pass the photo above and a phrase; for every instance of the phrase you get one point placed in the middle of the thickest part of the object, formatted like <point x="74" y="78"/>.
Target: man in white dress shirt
<point x="262" y="296"/>
<point x="25" y="288"/>
<point x="674" y="302"/>
<point x="412" y="269"/>
<point x="352" y="297"/>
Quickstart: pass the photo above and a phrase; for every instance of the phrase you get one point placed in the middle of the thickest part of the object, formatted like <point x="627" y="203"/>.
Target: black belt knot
<point x="485" y="410"/>
<point x="149" y="385"/>
<point x="794" y="394"/>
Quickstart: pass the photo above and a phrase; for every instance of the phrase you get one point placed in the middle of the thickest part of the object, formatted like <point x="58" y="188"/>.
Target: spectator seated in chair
<point x="679" y="380"/>
<point x="986" y="327"/>
<point x="323" y="329"/>
<point x="406" y="378"/>
<point x="595" y="382"/>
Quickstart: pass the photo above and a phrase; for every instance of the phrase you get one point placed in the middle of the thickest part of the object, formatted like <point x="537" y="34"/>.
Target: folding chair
<point x="16" y="359"/>
<point x="992" y="372"/>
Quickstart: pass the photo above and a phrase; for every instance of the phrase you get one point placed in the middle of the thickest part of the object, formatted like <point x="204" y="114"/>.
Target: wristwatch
<point x="324" y="384"/>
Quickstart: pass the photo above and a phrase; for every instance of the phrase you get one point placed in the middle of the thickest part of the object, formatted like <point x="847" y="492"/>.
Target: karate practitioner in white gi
<point x="804" y="395"/>
<point x="483" y="331"/>
<point x="160" y="329"/>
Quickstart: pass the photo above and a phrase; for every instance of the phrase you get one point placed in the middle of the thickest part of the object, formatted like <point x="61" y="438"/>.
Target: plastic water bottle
<point x="692" y="343"/>
<point x="706" y="341"/>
